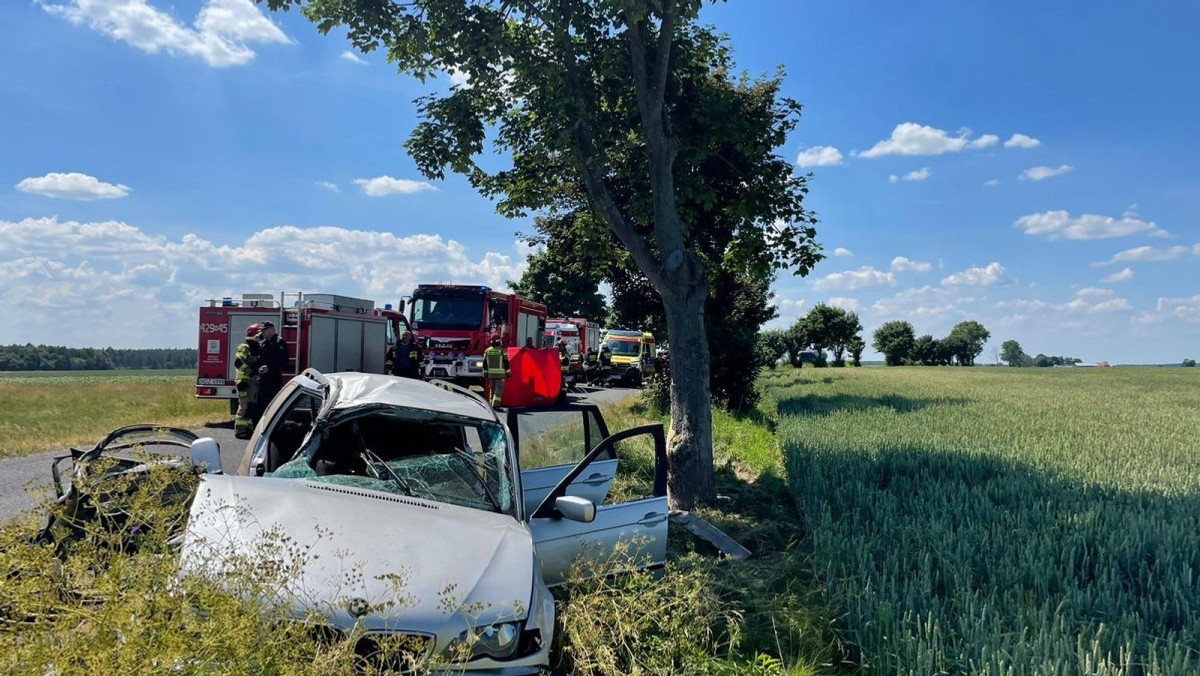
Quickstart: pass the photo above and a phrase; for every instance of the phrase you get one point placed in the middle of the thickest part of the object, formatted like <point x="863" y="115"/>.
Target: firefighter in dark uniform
<point x="246" y="362"/>
<point x="406" y="359"/>
<point x="591" y="364"/>
<point x="272" y="362"/>
<point x="495" y="370"/>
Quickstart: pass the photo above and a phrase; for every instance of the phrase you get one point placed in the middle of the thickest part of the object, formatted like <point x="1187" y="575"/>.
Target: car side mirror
<point x="575" y="508"/>
<point x="206" y="455"/>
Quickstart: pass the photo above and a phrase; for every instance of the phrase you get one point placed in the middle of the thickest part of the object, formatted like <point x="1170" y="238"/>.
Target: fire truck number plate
<point x="210" y="381"/>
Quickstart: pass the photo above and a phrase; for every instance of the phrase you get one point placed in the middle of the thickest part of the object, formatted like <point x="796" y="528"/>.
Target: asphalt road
<point x="25" y="481"/>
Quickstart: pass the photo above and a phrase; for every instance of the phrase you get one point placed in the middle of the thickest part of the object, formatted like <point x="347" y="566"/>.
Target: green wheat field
<point x="1002" y="521"/>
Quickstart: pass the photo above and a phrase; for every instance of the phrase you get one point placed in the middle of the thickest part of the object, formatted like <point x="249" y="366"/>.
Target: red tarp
<point x="536" y="377"/>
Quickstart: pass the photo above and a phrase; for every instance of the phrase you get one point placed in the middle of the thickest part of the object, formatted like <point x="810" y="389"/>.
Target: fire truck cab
<point x="327" y="332"/>
<point x="455" y="322"/>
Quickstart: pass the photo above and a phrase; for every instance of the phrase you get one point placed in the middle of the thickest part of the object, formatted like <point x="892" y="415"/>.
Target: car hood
<point x="412" y="565"/>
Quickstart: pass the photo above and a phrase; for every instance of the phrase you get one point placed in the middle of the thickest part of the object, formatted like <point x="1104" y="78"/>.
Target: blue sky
<point x="1030" y="165"/>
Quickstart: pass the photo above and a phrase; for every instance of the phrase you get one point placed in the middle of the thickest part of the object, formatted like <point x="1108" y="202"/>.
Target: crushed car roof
<point x="366" y="389"/>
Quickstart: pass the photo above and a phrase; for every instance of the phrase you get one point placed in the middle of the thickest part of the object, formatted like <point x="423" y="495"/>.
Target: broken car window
<point x="458" y="461"/>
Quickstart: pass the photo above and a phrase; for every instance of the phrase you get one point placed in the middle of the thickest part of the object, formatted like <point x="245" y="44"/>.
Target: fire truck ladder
<point x="292" y="318"/>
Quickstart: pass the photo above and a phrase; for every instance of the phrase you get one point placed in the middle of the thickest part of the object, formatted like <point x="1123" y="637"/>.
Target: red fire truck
<point x="455" y="321"/>
<point x="580" y="336"/>
<point x="323" y="331"/>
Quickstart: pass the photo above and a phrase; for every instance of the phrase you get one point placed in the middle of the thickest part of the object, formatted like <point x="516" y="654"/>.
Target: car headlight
<point x="497" y="641"/>
<point x="477" y="364"/>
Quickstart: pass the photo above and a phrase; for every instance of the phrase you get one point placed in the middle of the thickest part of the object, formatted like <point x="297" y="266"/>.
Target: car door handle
<point x="595" y="479"/>
<point x="652" y="519"/>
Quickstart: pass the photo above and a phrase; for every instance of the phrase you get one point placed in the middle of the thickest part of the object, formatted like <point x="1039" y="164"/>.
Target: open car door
<point x="284" y="425"/>
<point x="622" y="536"/>
<point x="551" y="441"/>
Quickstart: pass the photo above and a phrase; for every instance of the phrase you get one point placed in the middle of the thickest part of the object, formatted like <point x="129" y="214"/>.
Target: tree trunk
<point x="689" y="441"/>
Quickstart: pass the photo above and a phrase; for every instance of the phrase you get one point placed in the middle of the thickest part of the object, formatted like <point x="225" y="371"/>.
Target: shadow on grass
<point x="1076" y="572"/>
<point x="828" y="404"/>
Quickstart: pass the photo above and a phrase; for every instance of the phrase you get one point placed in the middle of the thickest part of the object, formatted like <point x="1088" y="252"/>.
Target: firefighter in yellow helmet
<point x="246" y="362"/>
<point x="495" y="370"/>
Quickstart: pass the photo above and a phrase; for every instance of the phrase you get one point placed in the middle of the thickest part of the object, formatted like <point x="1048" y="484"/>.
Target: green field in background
<point x="51" y="410"/>
<point x="996" y="521"/>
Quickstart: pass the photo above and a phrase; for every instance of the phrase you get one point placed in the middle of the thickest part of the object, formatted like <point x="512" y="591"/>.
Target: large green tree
<point x="831" y="328"/>
<point x="895" y="340"/>
<point x="581" y="93"/>
<point x="966" y="341"/>
<point x="1012" y="354"/>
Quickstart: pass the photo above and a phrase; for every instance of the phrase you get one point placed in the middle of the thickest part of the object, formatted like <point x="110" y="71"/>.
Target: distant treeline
<point x="57" y="358"/>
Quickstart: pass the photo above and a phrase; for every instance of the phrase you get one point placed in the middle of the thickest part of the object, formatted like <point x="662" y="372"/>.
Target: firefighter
<point x="529" y="343"/>
<point x="564" y="357"/>
<point x="272" y="362"/>
<point x="591" y="364"/>
<point x="406" y="359"/>
<point x="496" y="370"/>
<point x="246" y="362"/>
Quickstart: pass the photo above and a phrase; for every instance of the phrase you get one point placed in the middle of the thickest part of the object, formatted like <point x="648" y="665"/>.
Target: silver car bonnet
<point x="391" y="562"/>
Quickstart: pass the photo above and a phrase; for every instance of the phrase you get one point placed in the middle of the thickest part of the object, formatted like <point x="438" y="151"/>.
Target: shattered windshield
<point x="416" y="453"/>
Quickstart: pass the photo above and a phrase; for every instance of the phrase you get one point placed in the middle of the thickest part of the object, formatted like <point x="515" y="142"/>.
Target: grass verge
<point x="706" y="614"/>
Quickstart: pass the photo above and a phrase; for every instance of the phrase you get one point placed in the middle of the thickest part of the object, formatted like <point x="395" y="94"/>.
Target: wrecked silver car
<point x="405" y="510"/>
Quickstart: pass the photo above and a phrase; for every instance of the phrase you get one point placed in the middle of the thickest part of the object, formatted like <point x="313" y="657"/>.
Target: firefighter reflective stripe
<point x="244" y="359"/>
<point x="493" y="362"/>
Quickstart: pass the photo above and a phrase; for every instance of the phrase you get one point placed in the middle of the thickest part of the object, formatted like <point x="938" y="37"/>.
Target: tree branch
<point x="592" y="176"/>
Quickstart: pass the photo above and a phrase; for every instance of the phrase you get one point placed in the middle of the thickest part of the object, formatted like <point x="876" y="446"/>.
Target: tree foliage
<point x="895" y="341"/>
<point x="565" y="281"/>
<point x="831" y="328"/>
<point x="1012" y="354"/>
<point x="1189" y="363"/>
<point x="966" y="341"/>
<point x="31" y="357"/>
<point x="772" y="347"/>
<point x="623" y="109"/>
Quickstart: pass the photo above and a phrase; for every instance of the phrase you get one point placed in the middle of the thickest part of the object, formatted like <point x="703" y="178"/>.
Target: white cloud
<point x="382" y="186"/>
<point x="1060" y="224"/>
<point x="819" y="156"/>
<point x="1146" y="254"/>
<point x="903" y="264"/>
<point x="1087" y="301"/>
<point x="86" y="283"/>
<point x="914" y="175"/>
<point x="985" y="141"/>
<point x="1041" y="173"/>
<point x="789" y="310"/>
<point x="910" y="138"/>
<point x="73" y="186"/>
<point x="1186" y="309"/>
<point x="331" y="187"/>
<point x="1022" y="141"/>
<point x="353" y="58"/>
<point x="850" y="304"/>
<point x="1094" y="292"/>
<point x="843" y="252"/>
<point x="852" y="280"/>
<point x="992" y="182"/>
<point x="990" y="275"/>
<point x="1124" y="275"/>
<point x="923" y="302"/>
<point x="221" y="35"/>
